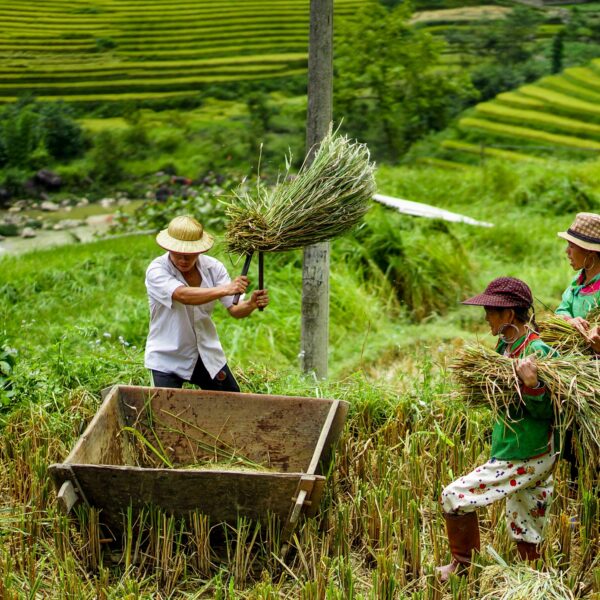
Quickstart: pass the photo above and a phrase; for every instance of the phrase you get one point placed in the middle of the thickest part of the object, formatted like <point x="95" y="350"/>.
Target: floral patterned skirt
<point x="526" y="484"/>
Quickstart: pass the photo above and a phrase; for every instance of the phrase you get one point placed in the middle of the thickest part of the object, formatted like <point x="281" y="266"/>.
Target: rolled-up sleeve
<point x="161" y="285"/>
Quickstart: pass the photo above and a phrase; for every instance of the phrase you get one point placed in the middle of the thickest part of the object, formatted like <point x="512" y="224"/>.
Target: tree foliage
<point x="510" y="40"/>
<point x="389" y="88"/>
<point x="33" y="133"/>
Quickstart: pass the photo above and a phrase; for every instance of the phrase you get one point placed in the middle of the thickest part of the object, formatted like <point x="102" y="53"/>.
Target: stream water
<point x="47" y="238"/>
<point x="95" y="220"/>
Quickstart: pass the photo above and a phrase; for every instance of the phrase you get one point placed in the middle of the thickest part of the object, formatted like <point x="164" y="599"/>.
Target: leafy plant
<point x="8" y="359"/>
<point x="424" y="263"/>
<point x="155" y="215"/>
<point x="104" y="44"/>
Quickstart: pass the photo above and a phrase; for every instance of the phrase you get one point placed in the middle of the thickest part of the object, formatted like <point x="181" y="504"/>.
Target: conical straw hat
<point x="185" y="235"/>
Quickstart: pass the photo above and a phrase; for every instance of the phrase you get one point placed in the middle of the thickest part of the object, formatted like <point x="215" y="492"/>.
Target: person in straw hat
<point x="183" y="285"/>
<point x="522" y="453"/>
<point x="583" y="295"/>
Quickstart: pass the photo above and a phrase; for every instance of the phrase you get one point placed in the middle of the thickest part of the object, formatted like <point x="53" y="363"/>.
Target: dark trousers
<point x="223" y="382"/>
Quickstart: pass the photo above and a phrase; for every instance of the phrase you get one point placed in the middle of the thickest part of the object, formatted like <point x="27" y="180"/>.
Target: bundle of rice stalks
<point x="323" y="201"/>
<point x="520" y="582"/>
<point x="565" y="337"/>
<point x="489" y="379"/>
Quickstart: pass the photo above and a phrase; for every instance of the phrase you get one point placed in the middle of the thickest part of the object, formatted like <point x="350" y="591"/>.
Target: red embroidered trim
<point x="592" y="288"/>
<point x="519" y="349"/>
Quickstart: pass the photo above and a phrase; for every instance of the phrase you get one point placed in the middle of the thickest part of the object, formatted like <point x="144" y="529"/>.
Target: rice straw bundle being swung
<point x="486" y="378"/>
<point x="566" y="338"/>
<point x="323" y="201"/>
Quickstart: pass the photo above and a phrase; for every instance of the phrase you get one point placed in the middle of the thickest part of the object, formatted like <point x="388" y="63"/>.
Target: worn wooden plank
<point x="67" y="497"/>
<point x="278" y="431"/>
<point x="315" y="497"/>
<point x="334" y="429"/>
<point x="221" y="494"/>
<point x="101" y="442"/>
<point x="320" y="446"/>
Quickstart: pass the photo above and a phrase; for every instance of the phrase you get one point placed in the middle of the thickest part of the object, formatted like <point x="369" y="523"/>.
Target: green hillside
<point x="557" y="116"/>
<point x="105" y="50"/>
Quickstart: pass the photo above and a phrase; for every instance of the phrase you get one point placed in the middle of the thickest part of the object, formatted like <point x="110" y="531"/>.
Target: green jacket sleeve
<point x="566" y="305"/>
<point x="537" y="402"/>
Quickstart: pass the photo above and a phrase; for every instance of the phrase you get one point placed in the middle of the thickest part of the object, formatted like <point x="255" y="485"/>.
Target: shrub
<point x="107" y="157"/>
<point x="136" y="141"/>
<point x="14" y="180"/>
<point x="7" y="364"/>
<point x="167" y="141"/>
<point x="31" y="130"/>
<point x="422" y="260"/>
<point x="104" y="44"/>
<point x="558" y="195"/>
<point x="63" y="137"/>
<point x="493" y="78"/>
<point x="156" y="215"/>
<point x="9" y="229"/>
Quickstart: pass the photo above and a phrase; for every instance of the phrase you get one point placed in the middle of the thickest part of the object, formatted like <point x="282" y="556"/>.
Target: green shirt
<point x="527" y="430"/>
<point x="579" y="298"/>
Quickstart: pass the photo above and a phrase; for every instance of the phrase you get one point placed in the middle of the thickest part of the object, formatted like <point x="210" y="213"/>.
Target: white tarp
<point x="418" y="209"/>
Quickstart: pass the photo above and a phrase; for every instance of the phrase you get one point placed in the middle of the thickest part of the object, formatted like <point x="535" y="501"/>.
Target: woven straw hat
<point x="185" y="235"/>
<point x="584" y="231"/>
<point x="504" y="292"/>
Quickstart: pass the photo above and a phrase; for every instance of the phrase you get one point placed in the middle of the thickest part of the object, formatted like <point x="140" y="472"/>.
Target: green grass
<point x="584" y="76"/>
<point x="515" y="99"/>
<point x="441" y="163"/>
<point x="560" y="84"/>
<point x="512" y="131"/>
<point x="562" y="101"/>
<point x="558" y="114"/>
<point x="483" y="152"/>
<point x="531" y="118"/>
<point x="255" y="33"/>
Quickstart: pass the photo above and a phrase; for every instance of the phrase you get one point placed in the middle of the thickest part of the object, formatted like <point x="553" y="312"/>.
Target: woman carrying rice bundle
<point x="583" y="295"/>
<point x="522" y="453"/>
<point x="580" y="298"/>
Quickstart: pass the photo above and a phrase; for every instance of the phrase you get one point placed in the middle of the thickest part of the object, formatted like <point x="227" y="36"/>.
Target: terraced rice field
<point x="558" y="116"/>
<point x="102" y="50"/>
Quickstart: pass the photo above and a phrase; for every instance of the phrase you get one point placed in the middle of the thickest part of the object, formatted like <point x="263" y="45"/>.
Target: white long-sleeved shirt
<point x="179" y="333"/>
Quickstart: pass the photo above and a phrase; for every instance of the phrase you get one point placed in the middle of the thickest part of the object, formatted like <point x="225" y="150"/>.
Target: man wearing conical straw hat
<point x="183" y="285"/>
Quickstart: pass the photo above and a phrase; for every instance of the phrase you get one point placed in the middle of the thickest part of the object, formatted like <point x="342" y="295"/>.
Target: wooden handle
<point x="245" y="269"/>
<point x="261" y="274"/>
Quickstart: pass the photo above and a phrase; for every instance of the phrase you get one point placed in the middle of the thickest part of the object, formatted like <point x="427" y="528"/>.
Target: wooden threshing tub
<point x="121" y="458"/>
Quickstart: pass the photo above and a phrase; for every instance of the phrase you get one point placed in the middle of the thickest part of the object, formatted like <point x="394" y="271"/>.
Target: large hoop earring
<point x="502" y="335"/>
<point x="593" y="255"/>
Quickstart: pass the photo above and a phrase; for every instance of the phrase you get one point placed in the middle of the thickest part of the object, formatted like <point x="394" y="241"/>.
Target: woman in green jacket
<point x="522" y="454"/>
<point x="583" y="295"/>
<point x="580" y="298"/>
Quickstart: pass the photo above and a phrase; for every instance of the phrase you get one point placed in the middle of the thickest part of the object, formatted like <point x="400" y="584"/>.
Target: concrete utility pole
<point x="315" y="270"/>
